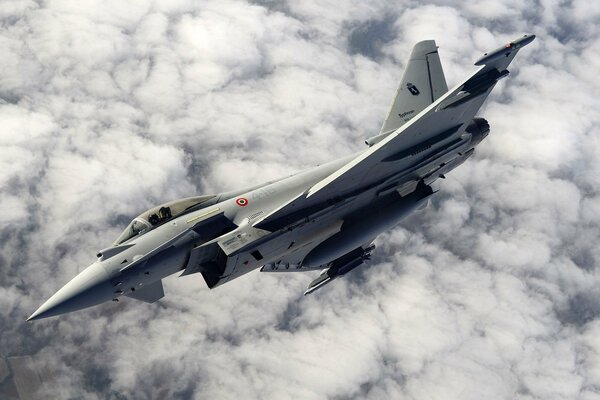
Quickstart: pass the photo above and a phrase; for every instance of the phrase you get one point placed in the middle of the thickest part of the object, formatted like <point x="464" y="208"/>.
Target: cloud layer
<point x="112" y="107"/>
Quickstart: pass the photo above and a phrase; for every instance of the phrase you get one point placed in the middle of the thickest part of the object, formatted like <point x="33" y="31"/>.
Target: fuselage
<point x="326" y="217"/>
<point x="238" y="247"/>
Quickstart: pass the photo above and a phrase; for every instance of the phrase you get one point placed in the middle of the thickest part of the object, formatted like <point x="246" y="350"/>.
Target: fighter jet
<point x="325" y="218"/>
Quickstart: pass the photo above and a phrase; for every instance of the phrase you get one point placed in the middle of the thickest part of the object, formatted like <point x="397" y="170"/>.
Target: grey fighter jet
<point x="325" y="218"/>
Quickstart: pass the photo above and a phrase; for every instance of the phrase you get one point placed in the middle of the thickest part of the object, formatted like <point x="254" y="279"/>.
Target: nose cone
<point x="87" y="289"/>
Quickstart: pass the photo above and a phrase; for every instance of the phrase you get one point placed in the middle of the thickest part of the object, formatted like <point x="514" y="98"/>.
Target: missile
<point x="340" y="267"/>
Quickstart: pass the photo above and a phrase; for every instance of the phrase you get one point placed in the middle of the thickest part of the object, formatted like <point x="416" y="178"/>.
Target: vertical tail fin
<point x="423" y="83"/>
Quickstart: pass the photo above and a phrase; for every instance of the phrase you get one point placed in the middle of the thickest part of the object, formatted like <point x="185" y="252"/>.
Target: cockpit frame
<point x="160" y="214"/>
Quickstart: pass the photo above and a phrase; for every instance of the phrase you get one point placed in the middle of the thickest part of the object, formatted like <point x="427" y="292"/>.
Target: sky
<point x="111" y="107"/>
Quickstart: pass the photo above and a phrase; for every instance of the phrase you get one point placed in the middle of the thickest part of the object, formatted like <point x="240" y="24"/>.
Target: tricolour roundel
<point x="241" y="201"/>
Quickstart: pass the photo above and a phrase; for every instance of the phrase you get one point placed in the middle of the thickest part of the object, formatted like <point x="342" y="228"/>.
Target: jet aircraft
<point x="325" y="218"/>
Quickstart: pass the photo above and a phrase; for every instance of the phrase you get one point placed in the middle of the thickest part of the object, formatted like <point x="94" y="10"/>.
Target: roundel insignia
<point x="241" y="201"/>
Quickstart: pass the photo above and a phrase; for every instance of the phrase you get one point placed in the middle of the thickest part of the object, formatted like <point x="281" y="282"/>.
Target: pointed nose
<point x="87" y="289"/>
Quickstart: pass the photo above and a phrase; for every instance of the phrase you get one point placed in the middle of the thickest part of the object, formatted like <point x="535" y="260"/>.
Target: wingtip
<point x="506" y="50"/>
<point x="526" y="39"/>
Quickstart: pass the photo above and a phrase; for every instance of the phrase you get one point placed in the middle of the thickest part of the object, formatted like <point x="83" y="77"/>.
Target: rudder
<point x="423" y="82"/>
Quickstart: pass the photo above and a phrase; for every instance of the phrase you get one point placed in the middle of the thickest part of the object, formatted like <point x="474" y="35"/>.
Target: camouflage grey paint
<point x="322" y="218"/>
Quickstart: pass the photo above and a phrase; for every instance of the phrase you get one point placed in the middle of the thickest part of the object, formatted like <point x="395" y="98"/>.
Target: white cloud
<point x="113" y="107"/>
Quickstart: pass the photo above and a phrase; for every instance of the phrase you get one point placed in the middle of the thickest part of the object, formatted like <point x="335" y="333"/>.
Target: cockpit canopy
<point x="159" y="215"/>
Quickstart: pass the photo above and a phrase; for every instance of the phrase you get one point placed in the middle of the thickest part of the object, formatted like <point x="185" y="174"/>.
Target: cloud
<point x="113" y="107"/>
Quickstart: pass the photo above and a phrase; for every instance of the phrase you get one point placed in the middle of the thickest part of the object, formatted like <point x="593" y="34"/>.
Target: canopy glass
<point x="158" y="215"/>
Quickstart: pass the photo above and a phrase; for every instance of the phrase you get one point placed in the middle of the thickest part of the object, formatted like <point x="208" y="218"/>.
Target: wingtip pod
<point x="505" y="50"/>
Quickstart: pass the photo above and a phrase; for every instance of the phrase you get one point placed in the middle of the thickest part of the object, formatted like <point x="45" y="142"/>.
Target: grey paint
<point x="423" y="82"/>
<point x="319" y="218"/>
